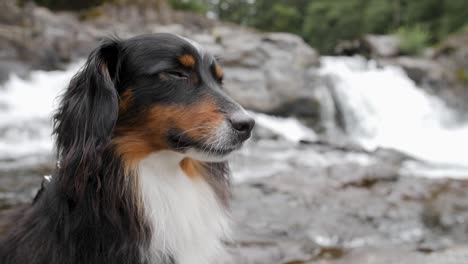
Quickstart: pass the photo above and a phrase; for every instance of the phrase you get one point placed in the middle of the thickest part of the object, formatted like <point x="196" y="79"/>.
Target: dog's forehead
<point x="195" y="45"/>
<point x="155" y="52"/>
<point x="165" y="44"/>
<point x="205" y="56"/>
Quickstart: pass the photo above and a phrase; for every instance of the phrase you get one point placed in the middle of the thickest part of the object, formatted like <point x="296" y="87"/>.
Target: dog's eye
<point x="176" y="74"/>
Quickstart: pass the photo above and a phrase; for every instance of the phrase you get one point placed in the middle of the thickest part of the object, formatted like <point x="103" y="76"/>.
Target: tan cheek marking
<point x="218" y="71"/>
<point x="126" y="101"/>
<point x="191" y="167"/>
<point x="203" y="115"/>
<point x="187" y="60"/>
<point x="136" y="141"/>
<point x="132" y="148"/>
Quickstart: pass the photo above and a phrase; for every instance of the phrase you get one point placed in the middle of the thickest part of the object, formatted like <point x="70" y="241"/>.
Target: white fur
<point x="220" y="140"/>
<point x="188" y="220"/>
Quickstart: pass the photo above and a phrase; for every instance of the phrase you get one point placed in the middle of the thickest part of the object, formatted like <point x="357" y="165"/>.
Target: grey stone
<point x="382" y="45"/>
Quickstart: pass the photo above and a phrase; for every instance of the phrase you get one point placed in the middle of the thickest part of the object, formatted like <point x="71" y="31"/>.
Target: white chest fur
<point x="188" y="220"/>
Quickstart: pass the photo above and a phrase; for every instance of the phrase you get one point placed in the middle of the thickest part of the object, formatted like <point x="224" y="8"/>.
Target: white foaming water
<point x="289" y="128"/>
<point x="26" y="107"/>
<point x="382" y="107"/>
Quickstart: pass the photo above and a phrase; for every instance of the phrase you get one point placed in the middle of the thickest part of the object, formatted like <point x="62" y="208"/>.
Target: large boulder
<point x="44" y="40"/>
<point x="11" y="13"/>
<point x="376" y="46"/>
<point x="452" y="54"/>
<point x="274" y="73"/>
<point x="382" y="45"/>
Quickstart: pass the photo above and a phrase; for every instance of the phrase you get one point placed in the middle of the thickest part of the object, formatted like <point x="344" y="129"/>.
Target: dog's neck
<point x="187" y="216"/>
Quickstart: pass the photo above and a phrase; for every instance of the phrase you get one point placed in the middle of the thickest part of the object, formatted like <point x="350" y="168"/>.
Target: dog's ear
<point x="86" y="117"/>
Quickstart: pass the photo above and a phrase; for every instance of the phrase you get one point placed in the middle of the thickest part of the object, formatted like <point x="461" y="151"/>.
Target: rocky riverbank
<point x="258" y="65"/>
<point x="322" y="204"/>
<point x="319" y="203"/>
<point x="318" y="198"/>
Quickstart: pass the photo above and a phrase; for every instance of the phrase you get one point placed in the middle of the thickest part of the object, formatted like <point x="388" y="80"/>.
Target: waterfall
<point x="383" y="107"/>
<point x="26" y="107"/>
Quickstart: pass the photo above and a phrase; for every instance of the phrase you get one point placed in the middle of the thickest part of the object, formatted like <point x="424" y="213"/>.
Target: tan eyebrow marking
<point x="187" y="60"/>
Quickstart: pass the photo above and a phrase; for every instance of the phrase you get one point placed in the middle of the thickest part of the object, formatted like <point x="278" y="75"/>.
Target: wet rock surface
<point x="319" y="203"/>
<point x="323" y="205"/>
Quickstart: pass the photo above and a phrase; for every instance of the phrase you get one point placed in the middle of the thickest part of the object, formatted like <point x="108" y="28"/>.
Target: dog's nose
<point x="242" y="123"/>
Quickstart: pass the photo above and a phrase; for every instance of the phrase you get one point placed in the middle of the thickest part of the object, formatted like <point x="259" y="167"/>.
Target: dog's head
<point x="148" y="94"/>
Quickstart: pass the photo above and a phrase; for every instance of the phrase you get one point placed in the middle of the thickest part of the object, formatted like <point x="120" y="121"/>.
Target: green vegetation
<point x="462" y="76"/>
<point x="413" y="39"/>
<point x="327" y="22"/>
<point x="324" y="23"/>
<point x="190" y="5"/>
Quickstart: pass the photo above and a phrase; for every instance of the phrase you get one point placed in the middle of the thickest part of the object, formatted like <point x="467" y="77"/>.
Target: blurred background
<point x="360" y="150"/>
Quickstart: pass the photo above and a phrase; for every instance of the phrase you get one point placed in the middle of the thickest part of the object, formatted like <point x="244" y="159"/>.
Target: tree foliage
<point x="413" y="39"/>
<point x="190" y="5"/>
<point x="323" y="23"/>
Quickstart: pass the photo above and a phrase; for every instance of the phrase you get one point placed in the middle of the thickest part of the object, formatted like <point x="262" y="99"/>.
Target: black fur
<point x="91" y="212"/>
<point x="88" y="213"/>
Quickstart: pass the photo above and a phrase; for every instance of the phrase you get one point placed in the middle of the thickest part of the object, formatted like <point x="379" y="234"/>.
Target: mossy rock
<point x="462" y="75"/>
<point x="91" y="13"/>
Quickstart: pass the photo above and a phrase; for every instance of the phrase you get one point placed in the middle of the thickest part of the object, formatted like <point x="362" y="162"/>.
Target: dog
<point x="142" y="136"/>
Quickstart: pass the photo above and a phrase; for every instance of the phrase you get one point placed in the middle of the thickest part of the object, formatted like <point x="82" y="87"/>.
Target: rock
<point x="274" y="73"/>
<point x="351" y="48"/>
<point x="377" y="46"/>
<point x="452" y="55"/>
<point x="320" y="200"/>
<point x="8" y="67"/>
<point x="435" y="77"/>
<point x="319" y="204"/>
<point x="267" y="72"/>
<point x="457" y="255"/>
<point x="11" y="13"/>
<point x="448" y="211"/>
<point x="421" y="70"/>
<point x="382" y="45"/>
<point x="46" y="40"/>
<point x="331" y="206"/>
<point x="442" y="71"/>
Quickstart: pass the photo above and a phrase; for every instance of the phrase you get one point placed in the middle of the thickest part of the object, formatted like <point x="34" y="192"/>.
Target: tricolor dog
<point x="143" y="132"/>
